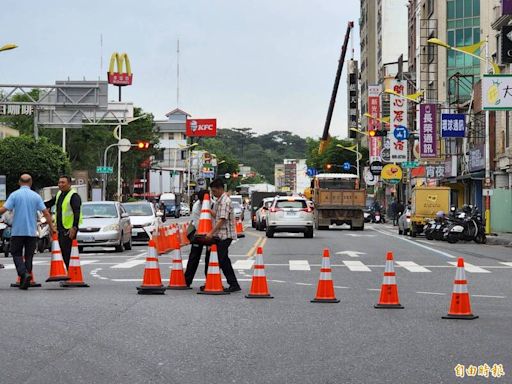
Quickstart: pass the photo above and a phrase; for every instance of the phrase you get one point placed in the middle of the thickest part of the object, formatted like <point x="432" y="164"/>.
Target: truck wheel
<point x="270" y="232"/>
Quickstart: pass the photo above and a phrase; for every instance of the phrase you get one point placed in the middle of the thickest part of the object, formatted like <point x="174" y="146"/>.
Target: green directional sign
<point x="410" y="164"/>
<point x="100" y="169"/>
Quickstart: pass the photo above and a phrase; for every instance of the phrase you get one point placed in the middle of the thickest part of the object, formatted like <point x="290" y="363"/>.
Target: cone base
<point x="213" y="293"/>
<point x="57" y="278"/>
<point x="250" y="296"/>
<point x="151" y="290"/>
<point x="69" y="284"/>
<point x="396" y="306"/>
<point x="178" y="288"/>
<point x="32" y="285"/>
<point x="325" y="301"/>
<point x="460" y="317"/>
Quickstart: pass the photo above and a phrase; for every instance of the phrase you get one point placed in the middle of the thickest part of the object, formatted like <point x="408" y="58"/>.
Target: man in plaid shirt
<point x="225" y="230"/>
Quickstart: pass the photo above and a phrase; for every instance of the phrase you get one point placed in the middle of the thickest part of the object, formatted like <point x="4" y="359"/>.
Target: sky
<point x="265" y="64"/>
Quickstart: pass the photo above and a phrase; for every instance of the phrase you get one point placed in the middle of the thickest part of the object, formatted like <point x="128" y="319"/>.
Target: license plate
<point x="88" y="239"/>
<point x="292" y="214"/>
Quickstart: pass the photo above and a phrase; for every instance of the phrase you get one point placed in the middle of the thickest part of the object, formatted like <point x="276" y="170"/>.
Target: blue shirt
<point x="25" y="204"/>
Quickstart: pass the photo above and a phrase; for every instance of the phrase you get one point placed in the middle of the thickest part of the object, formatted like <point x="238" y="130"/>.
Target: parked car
<point x="143" y="218"/>
<point x="184" y="209"/>
<point x="404" y="222"/>
<point x="105" y="224"/>
<point x="262" y="213"/>
<point x="290" y="214"/>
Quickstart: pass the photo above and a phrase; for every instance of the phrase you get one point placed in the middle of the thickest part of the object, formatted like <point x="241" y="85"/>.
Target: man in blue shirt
<point x="25" y="204"/>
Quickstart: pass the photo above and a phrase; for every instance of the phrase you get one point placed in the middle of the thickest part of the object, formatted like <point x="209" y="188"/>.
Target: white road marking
<point x="471" y="268"/>
<point x="355" y="235"/>
<point x="356" y="266"/>
<point x="373" y="289"/>
<point x="508" y="263"/>
<point x="243" y="264"/>
<point x="432" y="293"/>
<point x="163" y="280"/>
<point x="128" y="264"/>
<point x="411" y="266"/>
<point x="341" y="287"/>
<point x="85" y="262"/>
<point x="303" y="284"/>
<point x="13" y="266"/>
<point x="351" y="253"/>
<point x="415" y="243"/>
<point x="494" y="297"/>
<point x="299" y="265"/>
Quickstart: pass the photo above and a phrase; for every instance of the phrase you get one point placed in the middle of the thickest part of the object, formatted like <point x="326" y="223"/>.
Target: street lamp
<point x="470" y="50"/>
<point x="8" y="47"/>
<point x="188" y="147"/>
<point x="180" y="148"/>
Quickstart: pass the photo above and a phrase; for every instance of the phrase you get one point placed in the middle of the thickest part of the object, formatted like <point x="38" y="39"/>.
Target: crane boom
<point x="325" y="136"/>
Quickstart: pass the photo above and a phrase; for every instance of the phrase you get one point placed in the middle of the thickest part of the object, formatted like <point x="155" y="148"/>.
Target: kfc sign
<point x="202" y="127"/>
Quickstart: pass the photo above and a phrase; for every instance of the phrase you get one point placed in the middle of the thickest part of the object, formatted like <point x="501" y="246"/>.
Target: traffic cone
<point x="75" y="270"/>
<point x="33" y="283"/>
<point x="213" y="284"/>
<point x="183" y="235"/>
<point x="325" y="290"/>
<point x="205" y="220"/>
<point x="177" y="277"/>
<point x="389" y="289"/>
<point x="57" y="267"/>
<point x="239" y="228"/>
<point x="460" y="307"/>
<point x="259" y="287"/>
<point x="151" y="281"/>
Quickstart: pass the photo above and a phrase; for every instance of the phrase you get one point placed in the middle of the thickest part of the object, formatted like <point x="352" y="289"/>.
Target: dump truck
<point x="338" y="200"/>
<point x="425" y="203"/>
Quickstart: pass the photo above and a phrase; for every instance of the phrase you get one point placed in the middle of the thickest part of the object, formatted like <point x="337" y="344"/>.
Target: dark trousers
<point x="65" y="244"/>
<point x="224" y="262"/>
<point x="22" y="251"/>
<point x="193" y="263"/>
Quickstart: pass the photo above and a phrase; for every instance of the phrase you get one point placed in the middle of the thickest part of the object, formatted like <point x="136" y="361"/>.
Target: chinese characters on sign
<point x="497" y="92"/>
<point x="353" y="97"/>
<point x="435" y="171"/>
<point x="374" y="110"/>
<point x="483" y="370"/>
<point x="453" y="125"/>
<point x="428" y="144"/>
<point x="398" y="118"/>
<point x="477" y="158"/>
<point x="14" y="109"/>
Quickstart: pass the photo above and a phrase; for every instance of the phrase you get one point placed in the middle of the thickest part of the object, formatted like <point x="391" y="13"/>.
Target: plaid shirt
<point x="224" y="210"/>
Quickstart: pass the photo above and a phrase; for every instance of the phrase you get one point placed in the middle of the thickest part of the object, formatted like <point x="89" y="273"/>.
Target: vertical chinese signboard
<point x="398" y="118"/>
<point x="427" y="131"/>
<point x="374" y="143"/>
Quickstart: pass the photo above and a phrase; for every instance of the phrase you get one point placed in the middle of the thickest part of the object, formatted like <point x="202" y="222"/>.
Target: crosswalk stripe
<point x="471" y="268"/>
<point x="411" y="266"/>
<point x="356" y="265"/>
<point x="128" y="264"/>
<point x="299" y="265"/>
<point x="13" y="266"/>
<point x="243" y="264"/>
<point x="85" y="262"/>
<point x="506" y="263"/>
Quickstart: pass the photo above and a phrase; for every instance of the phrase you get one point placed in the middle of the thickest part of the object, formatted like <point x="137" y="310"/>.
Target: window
<point x="451" y="9"/>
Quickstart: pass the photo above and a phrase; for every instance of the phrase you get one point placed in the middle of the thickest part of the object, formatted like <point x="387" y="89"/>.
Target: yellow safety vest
<point x="66" y="210"/>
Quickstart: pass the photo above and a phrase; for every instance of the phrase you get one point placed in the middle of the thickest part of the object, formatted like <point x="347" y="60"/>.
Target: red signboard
<point x="201" y="127"/>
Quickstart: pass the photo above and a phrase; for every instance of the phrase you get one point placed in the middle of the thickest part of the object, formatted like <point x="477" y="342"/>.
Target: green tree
<point x="42" y="159"/>
<point x="333" y="155"/>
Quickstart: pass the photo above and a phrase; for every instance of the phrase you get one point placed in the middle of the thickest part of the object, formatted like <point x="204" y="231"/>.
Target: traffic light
<point x="378" y="133"/>
<point x="328" y="167"/>
<point x="143" y="145"/>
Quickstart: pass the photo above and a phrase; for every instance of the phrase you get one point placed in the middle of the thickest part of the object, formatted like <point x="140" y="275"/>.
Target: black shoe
<point x="25" y="281"/>
<point x="201" y="288"/>
<point x="232" y="288"/>
<point x="2" y="266"/>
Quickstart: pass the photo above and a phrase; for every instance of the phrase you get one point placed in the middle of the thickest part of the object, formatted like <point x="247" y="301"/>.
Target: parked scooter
<point x="435" y="228"/>
<point x="6" y="239"/>
<point x="44" y="236"/>
<point x="467" y="225"/>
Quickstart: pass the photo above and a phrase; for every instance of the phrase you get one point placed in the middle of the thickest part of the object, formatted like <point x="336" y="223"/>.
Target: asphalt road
<point x="109" y="334"/>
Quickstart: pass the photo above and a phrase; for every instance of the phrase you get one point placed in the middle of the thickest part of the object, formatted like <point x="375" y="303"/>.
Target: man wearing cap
<point x="25" y="203"/>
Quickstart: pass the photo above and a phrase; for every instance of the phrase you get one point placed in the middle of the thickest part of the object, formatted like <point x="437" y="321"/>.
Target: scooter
<point x="468" y="225"/>
<point x="44" y="236"/>
<point x="6" y="239"/>
<point x="377" y="217"/>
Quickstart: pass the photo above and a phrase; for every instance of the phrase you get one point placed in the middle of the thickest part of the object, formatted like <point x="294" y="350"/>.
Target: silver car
<point x="105" y="224"/>
<point x="143" y="218"/>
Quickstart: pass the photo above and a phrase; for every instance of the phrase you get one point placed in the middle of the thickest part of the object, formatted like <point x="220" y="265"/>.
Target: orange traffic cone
<point x="259" y="287"/>
<point x="33" y="283"/>
<point x="389" y="289"/>
<point x="460" y="307"/>
<point x="152" y="281"/>
<point x="239" y="228"/>
<point x="75" y="270"/>
<point x="183" y="235"/>
<point x="325" y="290"/>
<point x="205" y="220"/>
<point x="57" y="267"/>
<point x="177" y="277"/>
<point x="213" y="284"/>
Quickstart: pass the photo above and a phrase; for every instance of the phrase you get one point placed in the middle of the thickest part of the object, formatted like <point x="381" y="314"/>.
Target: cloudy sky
<point x="265" y="64"/>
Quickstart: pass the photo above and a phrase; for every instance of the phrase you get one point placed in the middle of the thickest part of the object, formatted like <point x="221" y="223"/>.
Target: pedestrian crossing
<point x="299" y="265"/>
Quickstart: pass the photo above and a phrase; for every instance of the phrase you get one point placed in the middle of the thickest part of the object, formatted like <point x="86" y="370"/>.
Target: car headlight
<point x="111" y="227"/>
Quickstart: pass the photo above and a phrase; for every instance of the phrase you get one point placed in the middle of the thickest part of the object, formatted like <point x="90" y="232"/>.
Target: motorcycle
<point x="376" y="217"/>
<point x="466" y="226"/>
<point x="435" y="228"/>
<point x="44" y="236"/>
<point x="6" y="239"/>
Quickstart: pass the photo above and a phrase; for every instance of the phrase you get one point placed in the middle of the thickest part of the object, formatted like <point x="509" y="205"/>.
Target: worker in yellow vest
<point x="68" y="215"/>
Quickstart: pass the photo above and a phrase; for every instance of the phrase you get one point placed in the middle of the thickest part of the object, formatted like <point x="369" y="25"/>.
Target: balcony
<point x="499" y="19"/>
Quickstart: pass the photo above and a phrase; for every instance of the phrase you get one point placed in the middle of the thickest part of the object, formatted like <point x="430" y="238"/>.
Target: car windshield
<point x="138" y="209"/>
<point x="168" y="202"/>
<point x="236" y="205"/>
<point x="291" y="204"/>
<point x="99" y="211"/>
